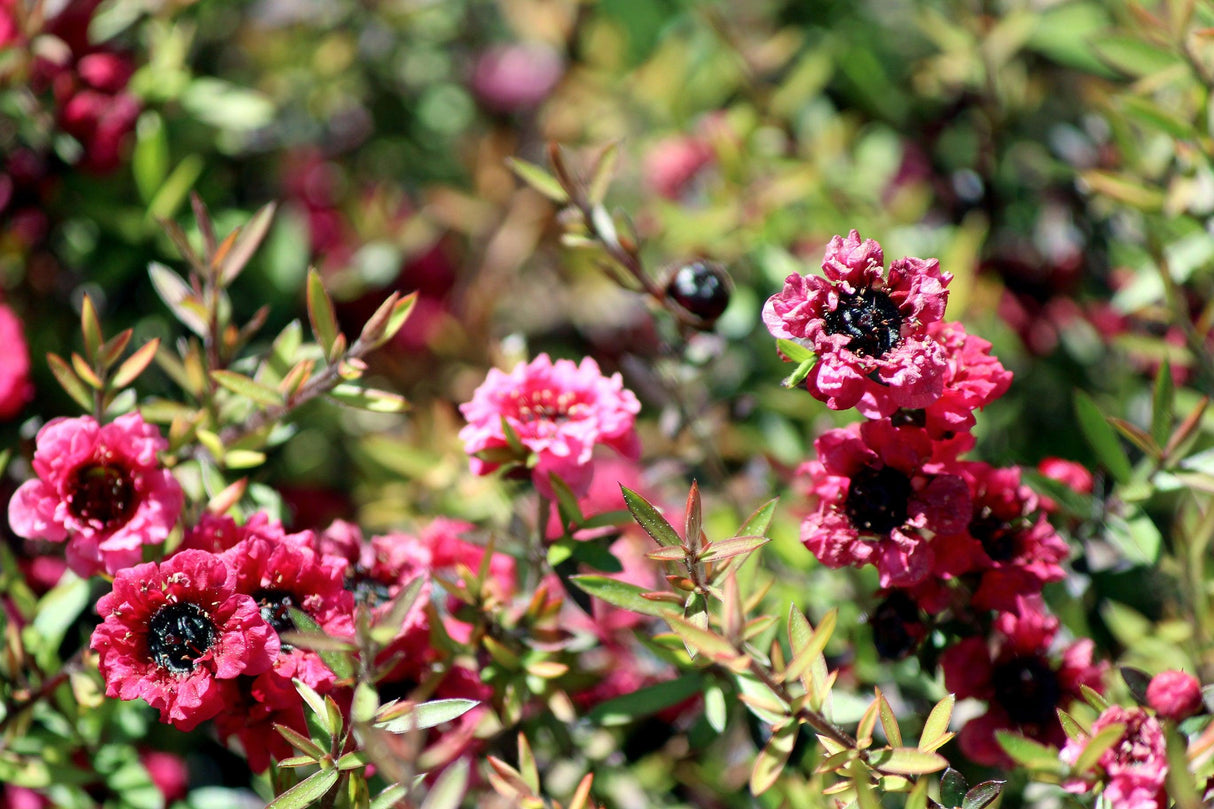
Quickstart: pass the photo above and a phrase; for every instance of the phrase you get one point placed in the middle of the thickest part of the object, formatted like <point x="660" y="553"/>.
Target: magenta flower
<point x="973" y="378"/>
<point x="177" y="633"/>
<point x="1022" y="681"/>
<point x="1008" y="549"/>
<point x="560" y="413"/>
<point x="881" y="497"/>
<point x="868" y="329"/>
<point x="1134" y="769"/>
<point x="15" y="387"/>
<point x="101" y="488"/>
<point x="1175" y="695"/>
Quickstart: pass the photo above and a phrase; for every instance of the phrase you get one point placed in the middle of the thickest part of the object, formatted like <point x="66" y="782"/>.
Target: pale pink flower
<point x="101" y="488"/>
<point x="559" y="411"/>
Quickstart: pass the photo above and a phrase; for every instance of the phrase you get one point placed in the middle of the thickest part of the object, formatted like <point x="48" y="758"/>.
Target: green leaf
<point x="449" y="789"/>
<point x="1097" y="745"/>
<point x="623" y="595"/>
<point x="177" y="296"/>
<point x="769" y="764"/>
<point x="566" y="502"/>
<point x="300" y="742"/>
<point x="716" y="710"/>
<point x="1137" y="681"/>
<point x="645" y="701"/>
<point x="59" y="609"/>
<point x="250" y="238"/>
<point x="320" y="313"/>
<point x="952" y="788"/>
<point x="807" y="647"/>
<point x="424" y="715"/>
<point x="734" y="546"/>
<point x="984" y="796"/>
<point x="908" y="761"/>
<point x="758" y="522"/>
<point x="596" y="554"/>
<point x="306" y="791"/>
<point x="250" y="389"/>
<point x="150" y="159"/>
<point x="604" y="170"/>
<point x="799" y="375"/>
<point x="1029" y="753"/>
<point x="795" y="352"/>
<point x="1102" y="437"/>
<point x="1133" y="55"/>
<point x="334" y="655"/>
<point x="68" y="380"/>
<point x="936" y="726"/>
<point x="538" y="178"/>
<point x="376" y="401"/>
<point x="174" y="189"/>
<point x="135" y="364"/>
<point x="705" y="641"/>
<point x="390" y="797"/>
<point x="650" y="519"/>
<point x="1136" y="536"/>
<point x="1163" y="397"/>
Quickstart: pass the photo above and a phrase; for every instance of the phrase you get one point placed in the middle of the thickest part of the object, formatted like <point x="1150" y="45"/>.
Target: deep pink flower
<point x="168" y="772"/>
<point x="1134" y="769"/>
<point x="255" y="706"/>
<point x="1175" y="695"/>
<point x="867" y="328"/>
<point x="15" y="387"/>
<point x="973" y="378"/>
<point x="559" y="411"/>
<point x="101" y="488"/>
<point x="881" y="496"/>
<point x="218" y="532"/>
<point x="1022" y="682"/>
<point x="173" y="634"/>
<point x="1008" y="548"/>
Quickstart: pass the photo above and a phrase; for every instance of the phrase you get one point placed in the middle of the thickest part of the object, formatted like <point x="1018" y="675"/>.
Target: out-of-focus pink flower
<point x="101" y="488"/>
<point x="1022" y="682"/>
<point x="1134" y="769"/>
<point x="516" y="76"/>
<point x="1175" y="695"/>
<point x="20" y="797"/>
<point x="1072" y="474"/>
<point x="15" y="386"/>
<point x="881" y="496"/>
<point x="867" y="328"/>
<point x="168" y="772"/>
<point x="559" y="411"/>
<point x="177" y="633"/>
<point x="672" y="163"/>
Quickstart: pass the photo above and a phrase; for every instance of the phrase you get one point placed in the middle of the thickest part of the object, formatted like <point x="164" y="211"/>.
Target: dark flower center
<point x="276" y="609"/>
<point x="103" y="495"/>
<point x="870" y="319"/>
<point x="179" y="634"/>
<point x="877" y="499"/>
<point x="998" y="537"/>
<point x="368" y="590"/>
<point x="1028" y="690"/>
<point x="897" y="628"/>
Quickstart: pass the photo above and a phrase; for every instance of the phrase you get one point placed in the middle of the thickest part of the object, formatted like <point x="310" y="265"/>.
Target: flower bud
<point x="1174" y="695"/>
<point x="702" y="288"/>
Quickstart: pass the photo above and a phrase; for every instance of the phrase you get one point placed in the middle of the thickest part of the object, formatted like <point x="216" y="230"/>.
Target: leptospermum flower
<point x="177" y="633"/>
<point x="1134" y="770"/>
<point x="1023" y="681"/>
<point x="101" y="488"/>
<point x="881" y="497"/>
<point x="559" y="411"/>
<point x="868" y="329"/>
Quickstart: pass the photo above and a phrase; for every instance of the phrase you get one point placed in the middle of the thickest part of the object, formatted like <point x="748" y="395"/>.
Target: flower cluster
<point x="962" y="549"/>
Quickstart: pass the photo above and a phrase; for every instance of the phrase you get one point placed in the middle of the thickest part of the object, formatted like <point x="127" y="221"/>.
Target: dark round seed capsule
<point x="700" y="287"/>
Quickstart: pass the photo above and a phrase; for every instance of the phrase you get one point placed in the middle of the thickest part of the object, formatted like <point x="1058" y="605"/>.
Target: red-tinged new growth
<point x="558" y="411"/>
<point x="1134" y="770"/>
<point x="868" y="328"/>
<point x="881" y="497"/>
<point x="101" y="488"/>
<point x="1022" y="680"/>
<point x="177" y="634"/>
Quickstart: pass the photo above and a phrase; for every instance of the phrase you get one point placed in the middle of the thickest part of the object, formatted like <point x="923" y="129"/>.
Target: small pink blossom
<point x="1175" y="695"/>
<point x="101" y="488"/>
<point x="881" y="496"/>
<point x="868" y="328"/>
<point x="1133" y="770"/>
<point x="15" y="386"/>
<point x="516" y="76"/>
<point x="559" y="411"/>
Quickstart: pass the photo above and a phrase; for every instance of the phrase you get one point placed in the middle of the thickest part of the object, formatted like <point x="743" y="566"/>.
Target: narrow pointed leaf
<point x="984" y="795"/>
<point x="307" y="791"/>
<point x="135" y="364"/>
<point x="734" y="546"/>
<point x="448" y="790"/>
<point x="623" y="595"/>
<point x="428" y="714"/>
<point x="246" y="244"/>
<point x="1097" y="745"/>
<point x="758" y="522"/>
<point x="69" y="381"/>
<point x="538" y="179"/>
<point x="769" y="764"/>
<point x="645" y="701"/>
<point x="250" y="389"/>
<point x="1162" y="401"/>
<point x="1102" y="437"/>
<point x="650" y="519"/>
<point x="91" y="328"/>
<point x="320" y="313"/>
<point x="908" y="761"/>
<point x="937" y="724"/>
<point x="693" y="524"/>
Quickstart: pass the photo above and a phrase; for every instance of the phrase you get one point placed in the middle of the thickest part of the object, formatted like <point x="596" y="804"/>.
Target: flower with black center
<point x="1022" y="679"/>
<point x="176" y="634"/>
<point x="867" y="328"/>
<point x="881" y="496"/>
<point x="558" y="412"/>
<point x="101" y="488"/>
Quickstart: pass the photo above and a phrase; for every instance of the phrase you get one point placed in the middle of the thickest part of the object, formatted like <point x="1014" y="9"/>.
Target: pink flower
<point x="1134" y="769"/>
<point x="673" y="163"/>
<point x="1008" y="548"/>
<point x="1175" y="695"/>
<point x="516" y="76"/>
<point x="881" y="496"/>
<point x="559" y="411"/>
<point x="972" y="380"/>
<point x="15" y="386"/>
<point x="868" y="330"/>
<point x="1022" y="682"/>
<point x="168" y="772"/>
<point x="218" y="532"/>
<point x="101" y="488"/>
<point x="177" y="633"/>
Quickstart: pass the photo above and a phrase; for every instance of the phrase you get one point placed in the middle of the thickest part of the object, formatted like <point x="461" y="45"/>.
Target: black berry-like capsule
<point x="700" y="287"/>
